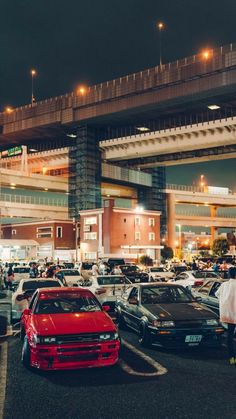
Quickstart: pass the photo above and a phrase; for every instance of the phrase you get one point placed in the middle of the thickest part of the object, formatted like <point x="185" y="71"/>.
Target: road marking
<point x="160" y="370"/>
<point x="3" y="376"/>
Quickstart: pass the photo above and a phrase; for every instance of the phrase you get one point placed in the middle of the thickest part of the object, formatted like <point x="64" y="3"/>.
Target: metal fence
<point x="33" y="200"/>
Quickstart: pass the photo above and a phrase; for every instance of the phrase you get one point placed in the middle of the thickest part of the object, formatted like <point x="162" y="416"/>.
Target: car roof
<point x="64" y="290"/>
<point x="156" y="284"/>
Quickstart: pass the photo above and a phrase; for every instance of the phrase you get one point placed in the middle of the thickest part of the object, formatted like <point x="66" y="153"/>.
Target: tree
<point x="145" y="260"/>
<point x="167" y="253"/>
<point x="220" y="246"/>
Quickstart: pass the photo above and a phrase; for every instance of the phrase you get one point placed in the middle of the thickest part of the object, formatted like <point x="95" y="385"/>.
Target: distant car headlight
<point x="212" y="322"/>
<point x="108" y="336"/>
<point x="167" y="323"/>
<point x="47" y="339"/>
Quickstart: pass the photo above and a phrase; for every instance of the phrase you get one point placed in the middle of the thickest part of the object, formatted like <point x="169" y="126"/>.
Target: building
<point x="124" y="232"/>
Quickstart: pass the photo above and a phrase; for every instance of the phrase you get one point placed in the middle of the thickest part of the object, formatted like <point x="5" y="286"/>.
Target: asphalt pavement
<point x="158" y="384"/>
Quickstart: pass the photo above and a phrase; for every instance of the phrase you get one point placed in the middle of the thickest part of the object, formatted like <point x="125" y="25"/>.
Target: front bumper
<point x="75" y="356"/>
<point x="174" y="338"/>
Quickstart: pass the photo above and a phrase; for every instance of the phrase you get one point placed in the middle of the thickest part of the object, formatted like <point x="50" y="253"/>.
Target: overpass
<point x="199" y="207"/>
<point x="105" y="123"/>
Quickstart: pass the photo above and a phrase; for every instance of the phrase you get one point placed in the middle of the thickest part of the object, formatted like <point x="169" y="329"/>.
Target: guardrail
<point x="33" y="200"/>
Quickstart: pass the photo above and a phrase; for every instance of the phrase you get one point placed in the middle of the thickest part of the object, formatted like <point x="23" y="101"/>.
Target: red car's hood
<point x="72" y="323"/>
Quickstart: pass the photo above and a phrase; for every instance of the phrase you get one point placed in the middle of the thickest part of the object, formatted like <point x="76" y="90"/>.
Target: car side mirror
<point x="27" y="312"/>
<point x="20" y="297"/>
<point x="133" y="301"/>
<point x="106" y="308"/>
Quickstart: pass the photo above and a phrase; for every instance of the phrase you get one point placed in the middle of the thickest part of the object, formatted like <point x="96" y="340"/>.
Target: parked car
<point x="134" y="273"/>
<point x="193" y="279"/>
<point x="69" y="277"/>
<point x="66" y="328"/>
<point x="21" y="272"/>
<point x="206" y="293"/>
<point x="84" y="268"/>
<point x="167" y="315"/>
<point x="22" y="295"/>
<point x="158" y="273"/>
<point x="107" y="288"/>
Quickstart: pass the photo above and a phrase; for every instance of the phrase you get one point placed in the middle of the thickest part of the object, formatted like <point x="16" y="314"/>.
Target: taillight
<point x="198" y="283"/>
<point x="99" y="291"/>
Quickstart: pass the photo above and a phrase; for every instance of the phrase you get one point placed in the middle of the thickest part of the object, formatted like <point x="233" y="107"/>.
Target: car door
<point x="203" y="292"/>
<point x="213" y="301"/>
<point x="130" y="308"/>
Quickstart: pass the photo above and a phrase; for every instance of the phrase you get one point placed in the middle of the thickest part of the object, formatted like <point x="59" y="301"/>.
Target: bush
<point x="145" y="260"/>
<point x="167" y="253"/>
<point x="220" y="246"/>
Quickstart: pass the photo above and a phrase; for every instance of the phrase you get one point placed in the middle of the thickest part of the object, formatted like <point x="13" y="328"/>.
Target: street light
<point x="160" y="26"/>
<point x="33" y="74"/>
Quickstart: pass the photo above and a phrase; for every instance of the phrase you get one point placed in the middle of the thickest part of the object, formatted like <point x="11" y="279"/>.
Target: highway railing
<point x="33" y="200"/>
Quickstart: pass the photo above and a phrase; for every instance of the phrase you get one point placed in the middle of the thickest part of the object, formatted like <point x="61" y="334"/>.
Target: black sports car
<point x="134" y="273"/>
<point x="167" y="315"/>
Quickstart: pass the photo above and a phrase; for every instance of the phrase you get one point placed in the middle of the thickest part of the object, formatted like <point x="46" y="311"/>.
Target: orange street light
<point x="8" y="109"/>
<point x="160" y="26"/>
<point x="82" y="90"/>
<point x="206" y="54"/>
<point x="33" y="74"/>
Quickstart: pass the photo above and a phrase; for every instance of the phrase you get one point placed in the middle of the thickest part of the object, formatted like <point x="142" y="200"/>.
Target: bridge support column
<point x="213" y="229"/>
<point x="85" y="172"/>
<point x="171" y="220"/>
<point x="154" y="198"/>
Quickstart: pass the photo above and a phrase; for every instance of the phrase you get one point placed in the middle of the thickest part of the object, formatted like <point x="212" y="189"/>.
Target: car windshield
<point x="204" y="274"/>
<point x="164" y="295"/>
<point x="67" y="304"/>
<point x="112" y="280"/>
<point x="21" y="270"/>
<point x="34" y="285"/>
<point x="156" y="270"/>
<point x="69" y="272"/>
<point x="130" y="268"/>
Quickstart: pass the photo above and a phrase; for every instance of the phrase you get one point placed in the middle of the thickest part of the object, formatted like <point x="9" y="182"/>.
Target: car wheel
<point x="26" y="354"/>
<point x="144" y="336"/>
<point x="22" y="333"/>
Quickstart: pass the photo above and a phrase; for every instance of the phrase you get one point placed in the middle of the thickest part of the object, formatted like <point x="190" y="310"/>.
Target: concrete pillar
<point x="213" y="209"/>
<point x="171" y="219"/>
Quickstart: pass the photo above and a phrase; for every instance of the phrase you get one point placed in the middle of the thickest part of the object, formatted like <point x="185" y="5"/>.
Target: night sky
<point x="90" y="41"/>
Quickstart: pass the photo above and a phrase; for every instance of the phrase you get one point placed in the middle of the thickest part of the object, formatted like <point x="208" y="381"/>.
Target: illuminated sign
<point x="15" y="151"/>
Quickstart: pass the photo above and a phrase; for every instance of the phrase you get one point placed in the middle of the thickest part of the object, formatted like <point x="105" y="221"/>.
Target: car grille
<point x="191" y="324"/>
<point x="81" y="338"/>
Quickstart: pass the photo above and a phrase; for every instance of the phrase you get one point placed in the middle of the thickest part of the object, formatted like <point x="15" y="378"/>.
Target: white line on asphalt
<point x="160" y="370"/>
<point x="3" y="376"/>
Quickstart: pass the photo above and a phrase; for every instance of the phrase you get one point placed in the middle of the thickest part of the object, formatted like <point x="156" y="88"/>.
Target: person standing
<point x="227" y="304"/>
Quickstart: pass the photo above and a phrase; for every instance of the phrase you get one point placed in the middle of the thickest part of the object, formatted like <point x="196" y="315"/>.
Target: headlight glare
<point x="167" y="323"/>
<point x="212" y="322"/>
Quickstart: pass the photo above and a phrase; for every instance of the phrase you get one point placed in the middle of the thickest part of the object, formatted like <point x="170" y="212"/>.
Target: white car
<point x="21" y="272"/>
<point x="191" y="279"/>
<point x="158" y="273"/>
<point x="25" y="290"/>
<point x="69" y="277"/>
<point x="107" y="288"/>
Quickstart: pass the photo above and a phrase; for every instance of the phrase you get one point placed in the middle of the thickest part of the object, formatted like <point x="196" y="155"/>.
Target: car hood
<point x="72" y="323"/>
<point x="180" y="311"/>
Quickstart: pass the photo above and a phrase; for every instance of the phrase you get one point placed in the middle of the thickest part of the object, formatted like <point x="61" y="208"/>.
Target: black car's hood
<point x="180" y="311"/>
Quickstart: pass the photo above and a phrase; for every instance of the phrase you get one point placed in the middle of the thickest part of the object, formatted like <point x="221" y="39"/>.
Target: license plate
<point x="193" y="338"/>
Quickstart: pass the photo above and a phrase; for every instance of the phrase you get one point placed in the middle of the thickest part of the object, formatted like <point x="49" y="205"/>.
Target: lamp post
<point x="160" y="27"/>
<point x="33" y="74"/>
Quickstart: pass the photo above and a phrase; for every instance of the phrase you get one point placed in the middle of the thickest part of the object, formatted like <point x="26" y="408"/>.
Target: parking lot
<point x="168" y="384"/>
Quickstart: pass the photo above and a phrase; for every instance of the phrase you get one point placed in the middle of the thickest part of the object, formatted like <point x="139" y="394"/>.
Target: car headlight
<point x="212" y="322"/>
<point x="167" y="323"/>
<point x="47" y="339"/>
<point x="108" y="336"/>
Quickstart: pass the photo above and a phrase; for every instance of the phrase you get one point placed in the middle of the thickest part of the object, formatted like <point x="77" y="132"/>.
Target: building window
<point x="137" y="235"/>
<point x="44" y="232"/>
<point x="125" y="236"/>
<point x="90" y="236"/>
<point x="13" y="233"/>
<point x="151" y="236"/>
<point x="124" y="220"/>
<point x="137" y="221"/>
<point x="90" y="256"/>
<point x="90" y="220"/>
<point x="151" y="222"/>
<point x="59" y="232"/>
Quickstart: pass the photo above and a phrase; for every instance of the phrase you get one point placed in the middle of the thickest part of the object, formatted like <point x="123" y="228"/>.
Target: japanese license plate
<point x="193" y="338"/>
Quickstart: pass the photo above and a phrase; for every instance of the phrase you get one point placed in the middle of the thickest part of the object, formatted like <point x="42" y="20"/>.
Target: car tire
<point x="26" y="354"/>
<point x="144" y="336"/>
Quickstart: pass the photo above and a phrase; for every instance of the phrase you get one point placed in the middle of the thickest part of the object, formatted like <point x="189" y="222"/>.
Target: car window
<point x="21" y="270"/>
<point x="112" y="280"/>
<point x="32" y="301"/>
<point x="214" y="288"/>
<point x="205" y="288"/>
<point x="67" y="304"/>
<point x="69" y="272"/>
<point x="134" y="293"/>
<point x="164" y="295"/>
<point x="181" y="276"/>
<point x="157" y="270"/>
<point x="33" y="285"/>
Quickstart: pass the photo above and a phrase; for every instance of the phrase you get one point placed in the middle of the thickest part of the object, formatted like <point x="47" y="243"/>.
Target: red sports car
<point x="66" y="328"/>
